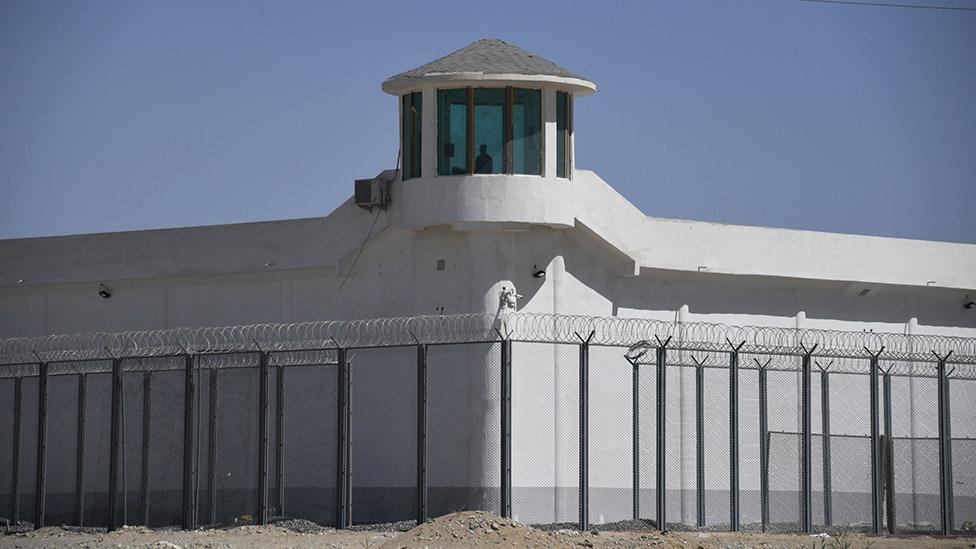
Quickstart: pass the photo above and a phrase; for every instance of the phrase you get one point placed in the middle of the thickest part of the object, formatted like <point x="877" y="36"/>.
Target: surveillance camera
<point x="104" y="292"/>
<point x="969" y="304"/>
<point x="539" y="274"/>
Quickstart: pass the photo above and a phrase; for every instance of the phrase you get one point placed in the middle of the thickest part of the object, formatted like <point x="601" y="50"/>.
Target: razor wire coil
<point x="305" y="342"/>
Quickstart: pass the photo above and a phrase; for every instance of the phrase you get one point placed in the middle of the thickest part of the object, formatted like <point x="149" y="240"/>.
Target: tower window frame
<point x="564" y="135"/>
<point x="531" y="158"/>
<point x="411" y="134"/>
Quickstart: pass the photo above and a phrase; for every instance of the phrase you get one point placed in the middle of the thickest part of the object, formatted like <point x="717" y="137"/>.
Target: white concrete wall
<point x="605" y="259"/>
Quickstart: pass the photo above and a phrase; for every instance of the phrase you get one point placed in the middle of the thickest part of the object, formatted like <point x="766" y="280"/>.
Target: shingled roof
<point x="489" y="56"/>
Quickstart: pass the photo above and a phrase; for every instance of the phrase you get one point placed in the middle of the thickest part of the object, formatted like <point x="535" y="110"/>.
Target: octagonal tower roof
<point x="489" y="59"/>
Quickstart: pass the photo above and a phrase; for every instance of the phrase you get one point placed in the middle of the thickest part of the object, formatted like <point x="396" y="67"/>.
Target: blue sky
<point x="137" y="114"/>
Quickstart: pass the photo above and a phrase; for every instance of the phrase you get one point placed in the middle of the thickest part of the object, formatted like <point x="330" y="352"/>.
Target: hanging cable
<point x="891" y="5"/>
<point x="355" y="261"/>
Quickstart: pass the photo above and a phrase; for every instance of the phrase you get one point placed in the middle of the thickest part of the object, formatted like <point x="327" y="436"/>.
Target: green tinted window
<point x="489" y="127"/>
<point x="489" y="131"/>
<point x="452" y="131"/>
<point x="562" y="134"/>
<point x="527" y="132"/>
<point x="410" y="126"/>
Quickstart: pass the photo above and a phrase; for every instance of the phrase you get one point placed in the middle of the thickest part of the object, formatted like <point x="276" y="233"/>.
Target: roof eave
<point x="398" y="85"/>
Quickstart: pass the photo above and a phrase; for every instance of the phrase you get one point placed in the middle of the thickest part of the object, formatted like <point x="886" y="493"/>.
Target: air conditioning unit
<point x="373" y="193"/>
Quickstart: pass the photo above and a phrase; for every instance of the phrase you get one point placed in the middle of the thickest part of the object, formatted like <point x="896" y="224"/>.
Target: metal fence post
<point x="635" y="425"/>
<point x="506" y="424"/>
<point x="734" y="435"/>
<point x="15" y="470"/>
<point x="212" y="447"/>
<point x="343" y="482"/>
<point x="115" y="455"/>
<point x="875" y="444"/>
<point x="80" y="451"/>
<point x="662" y="358"/>
<point x="584" y="431"/>
<point x="263" y="449"/>
<point x="945" y="447"/>
<point x="887" y="453"/>
<point x="280" y="438"/>
<point x="700" y="439"/>
<point x="146" y="437"/>
<point x="40" y="488"/>
<point x="763" y="445"/>
<point x="806" y="462"/>
<point x="825" y="428"/>
<point x="421" y="433"/>
<point x="189" y="465"/>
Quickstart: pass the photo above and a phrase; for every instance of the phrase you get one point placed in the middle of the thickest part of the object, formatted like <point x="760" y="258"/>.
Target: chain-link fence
<point x="677" y="431"/>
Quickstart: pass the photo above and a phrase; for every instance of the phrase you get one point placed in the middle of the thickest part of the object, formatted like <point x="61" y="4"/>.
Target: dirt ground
<point x="467" y="529"/>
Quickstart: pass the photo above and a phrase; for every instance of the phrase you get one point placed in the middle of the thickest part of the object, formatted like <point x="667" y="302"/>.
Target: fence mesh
<point x="204" y="445"/>
<point x="6" y="448"/>
<point x="133" y="438"/>
<point x="750" y="515"/>
<point x="62" y="449"/>
<point x="545" y="429"/>
<point x="962" y="395"/>
<point x="716" y="430"/>
<point x="611" y="457"/>
<point x="233" y="433"/>
<point x="384" y="434"/>
<point x="681" y="461"/>
<point x="165" y="448"/>
<point x="783" y="403"/>
<point x="647" y="437"/>
<point x="28" y="448"/>
<point x="98" y="427"/>
<point x="912" y="484"/>
<point x="850" y="459"/>
<point x="464" y="434"/>
<point x="309" y="447"/>
<point x="463" y="428"/>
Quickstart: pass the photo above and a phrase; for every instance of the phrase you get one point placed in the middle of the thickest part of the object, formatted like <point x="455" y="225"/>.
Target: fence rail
<point x="544" y="418"/>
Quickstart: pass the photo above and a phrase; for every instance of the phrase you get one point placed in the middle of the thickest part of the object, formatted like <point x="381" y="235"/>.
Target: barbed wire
<point x="638" y="335"/>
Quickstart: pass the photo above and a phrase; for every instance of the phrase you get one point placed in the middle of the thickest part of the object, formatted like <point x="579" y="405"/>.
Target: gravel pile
<point x="301" y="526"/>
<point x="85" y="529"/>
<point x="642" y="525"/>
<point x="619" y="526"/>
<point x="473" y="529"/>
<point x="562" y="527"/>
<point x="401" y="526"/>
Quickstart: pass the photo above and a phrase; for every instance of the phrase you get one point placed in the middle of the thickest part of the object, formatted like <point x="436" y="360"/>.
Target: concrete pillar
<point x="687" y="437"/>
<point x="549" y="135"/>
<point x="565" y="372"/>
<point x="911" y="327"/>
<point x="801" y="320"/>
